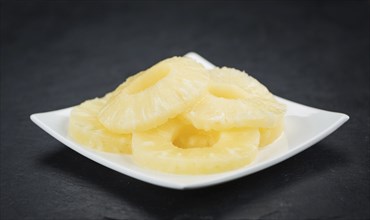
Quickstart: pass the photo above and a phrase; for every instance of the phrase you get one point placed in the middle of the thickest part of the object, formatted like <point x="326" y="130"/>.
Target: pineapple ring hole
<point x="147" y="80"/>
<point x="226" y="91"/>
<point x="190" y="137"/>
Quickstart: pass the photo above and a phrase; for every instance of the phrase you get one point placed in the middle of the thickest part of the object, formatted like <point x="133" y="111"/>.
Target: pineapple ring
<point x="235" y="100"/>
<point x="85" y="128"/>
<point x="155" y="95"/>
<point x="176" y="147"/>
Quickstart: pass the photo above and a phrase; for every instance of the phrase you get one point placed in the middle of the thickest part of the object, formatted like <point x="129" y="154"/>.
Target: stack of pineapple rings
<point x="179" y="117"/>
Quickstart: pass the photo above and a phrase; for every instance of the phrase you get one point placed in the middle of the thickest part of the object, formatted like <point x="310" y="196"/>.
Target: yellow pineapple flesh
<point x="180" y="148"/>
<point x="269" y="135"/>
<point x="156" y="95"/>
<point x="85" y="129"/>
<point x="235" y="100"/>
<point x="180" y="118"/>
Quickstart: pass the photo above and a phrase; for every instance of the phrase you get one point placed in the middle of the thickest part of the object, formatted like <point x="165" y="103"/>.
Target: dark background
<point x="57" y="54"/>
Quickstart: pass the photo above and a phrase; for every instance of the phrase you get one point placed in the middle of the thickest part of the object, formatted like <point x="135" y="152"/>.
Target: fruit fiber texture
<point x="235" y="100"/>
<point x="85" y="128"/>
<point x="197" y="153"/>
<point x="156" y="95"/>
<point x="181" y="118"/>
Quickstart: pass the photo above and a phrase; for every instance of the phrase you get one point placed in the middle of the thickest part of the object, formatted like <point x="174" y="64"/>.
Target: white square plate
<point x="305" y="126"/>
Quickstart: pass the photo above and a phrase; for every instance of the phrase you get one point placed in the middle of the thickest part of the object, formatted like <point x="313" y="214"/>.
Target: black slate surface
<point x="56" y="54"/>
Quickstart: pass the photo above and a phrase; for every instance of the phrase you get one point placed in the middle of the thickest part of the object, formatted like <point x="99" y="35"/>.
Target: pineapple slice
<point x="180" y="148"/>
<point x="235" y="100"/>
<point x="183" y="118"/>
<point x="85" y="128"/>
<point x="269" y="135"/>
<point x="156" y="95"/>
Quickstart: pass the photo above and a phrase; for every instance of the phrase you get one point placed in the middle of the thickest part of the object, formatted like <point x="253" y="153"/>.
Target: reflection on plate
<point x="304" y="127"/>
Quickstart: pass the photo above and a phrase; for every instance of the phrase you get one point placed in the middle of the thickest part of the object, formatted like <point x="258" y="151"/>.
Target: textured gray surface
<point x="57" y="54"/>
